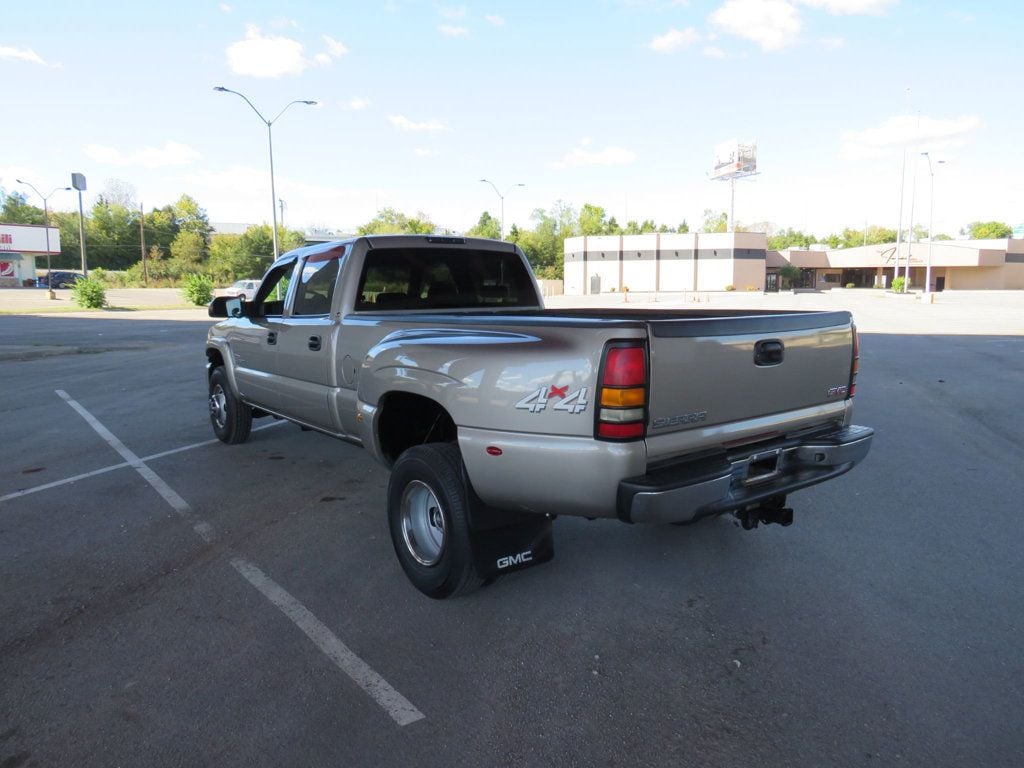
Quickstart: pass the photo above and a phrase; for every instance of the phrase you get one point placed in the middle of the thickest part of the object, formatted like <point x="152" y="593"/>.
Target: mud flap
<point x="497" y="551"/>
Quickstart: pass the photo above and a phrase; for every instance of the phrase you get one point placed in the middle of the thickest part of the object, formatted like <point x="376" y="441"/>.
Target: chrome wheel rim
<point x="423" y="523"/>
<point x="219" y="406"/>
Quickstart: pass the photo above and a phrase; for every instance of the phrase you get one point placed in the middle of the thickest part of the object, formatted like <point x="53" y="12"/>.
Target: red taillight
<point x="854" y="364"/>
<point x="625" y="367"/>
<point x="622" y="397"/>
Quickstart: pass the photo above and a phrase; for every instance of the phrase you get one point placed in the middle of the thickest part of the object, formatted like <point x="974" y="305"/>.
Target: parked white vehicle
<point x="246" y="289"/>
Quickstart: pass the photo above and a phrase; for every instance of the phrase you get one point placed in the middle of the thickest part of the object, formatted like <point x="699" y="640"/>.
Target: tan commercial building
<point x="742" y="261"/>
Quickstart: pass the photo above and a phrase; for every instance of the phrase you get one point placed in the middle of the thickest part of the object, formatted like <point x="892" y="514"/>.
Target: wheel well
<point x="214" y="358"/>
<point x="407" y="420"/>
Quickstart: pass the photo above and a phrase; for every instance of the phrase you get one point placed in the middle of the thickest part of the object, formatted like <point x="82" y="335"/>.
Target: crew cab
<point x="495" y="415"/>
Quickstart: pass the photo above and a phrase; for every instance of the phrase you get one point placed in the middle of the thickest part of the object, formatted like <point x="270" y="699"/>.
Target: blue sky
<point x="618" y="103"/>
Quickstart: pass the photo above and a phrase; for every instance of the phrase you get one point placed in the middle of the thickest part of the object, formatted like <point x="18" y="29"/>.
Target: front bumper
<point x="684" y="491"/>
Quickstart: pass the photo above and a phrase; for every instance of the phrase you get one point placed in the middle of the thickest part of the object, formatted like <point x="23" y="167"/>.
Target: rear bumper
<point x="688" y="490"/>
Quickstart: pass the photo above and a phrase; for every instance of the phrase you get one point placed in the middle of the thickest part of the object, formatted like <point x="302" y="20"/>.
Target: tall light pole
<point x="46" y="222"/>
<point x="502" y="197"/>
<point x="931" y="221"/>
<point x="270" y="147"/>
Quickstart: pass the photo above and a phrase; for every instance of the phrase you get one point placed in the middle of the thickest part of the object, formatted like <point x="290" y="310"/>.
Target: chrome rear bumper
<point x="685" y="491"/>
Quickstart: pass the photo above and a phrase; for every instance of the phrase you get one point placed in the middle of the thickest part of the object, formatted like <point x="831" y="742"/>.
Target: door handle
<point x="272" y="337"/>
<point x="314" y="343"/>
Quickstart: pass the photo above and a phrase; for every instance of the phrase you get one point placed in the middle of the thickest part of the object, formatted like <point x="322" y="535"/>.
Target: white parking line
<point x="395" y="704"/>
<point x="122" y="465"/>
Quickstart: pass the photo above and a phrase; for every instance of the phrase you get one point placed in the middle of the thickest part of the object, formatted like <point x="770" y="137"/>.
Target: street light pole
<point x="931" y="221"/>
<point x="502" y="198"/>
<point x="270" y="148"/>
<point x="46" y="223"/>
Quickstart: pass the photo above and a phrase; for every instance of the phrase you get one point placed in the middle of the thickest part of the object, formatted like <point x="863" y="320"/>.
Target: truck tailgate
<point x="708" y="371"/>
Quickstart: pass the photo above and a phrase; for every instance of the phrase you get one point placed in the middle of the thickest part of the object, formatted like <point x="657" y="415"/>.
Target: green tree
<point x="789" y="238"/>
<point x="789" y="274"/>
<point x="683" y="227"/>
<point x="988" y="230"/>
<point x="230" y="260"/>
<point x="487" y="226"/>
<point x="388" y="221"/>
<point x="593" y="220"/>
<point x="189" y="216"/>
<point x="188" y="254"/>
<point x="714" y="221"/>
<point x="16" y="210"/>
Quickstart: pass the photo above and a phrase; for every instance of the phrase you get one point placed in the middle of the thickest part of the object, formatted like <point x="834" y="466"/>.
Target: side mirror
<point x="227" y="306"/>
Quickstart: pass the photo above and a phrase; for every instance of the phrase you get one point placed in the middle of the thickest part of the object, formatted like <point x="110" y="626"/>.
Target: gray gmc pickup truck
<point x="496" y="415"/>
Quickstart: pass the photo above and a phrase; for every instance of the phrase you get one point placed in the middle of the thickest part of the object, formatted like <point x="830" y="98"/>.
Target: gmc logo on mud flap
<point x="510" y="560"/>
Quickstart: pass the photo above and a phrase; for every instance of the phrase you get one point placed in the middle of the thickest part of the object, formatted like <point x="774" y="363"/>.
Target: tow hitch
<point x="771" y="510"/>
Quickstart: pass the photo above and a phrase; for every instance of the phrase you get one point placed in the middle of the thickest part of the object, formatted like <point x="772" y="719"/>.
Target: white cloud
<point x="772" y="24"/>
<point x="451" y="12"/>
<point x="357" y="103"/>
<point x="449" y="30"/>
<point x="849" y="7"/>
<point x="261" y="55"/>
<point x="401" y="121"/>
<point x="583" y="155"/>
<point x="420" y="152"/>
<point x="674" y="39"/>
<point x="225" y="8"/>
<point x="171" y="153"/>
<point x="12" y="53"/>
<point x="322" y="59"/>
<point x="495" y="19"/>
<point x="714" y="52"/>
<point x="334" y="47"/>
<point x="923" y="134"/>
<point x="284" y="23"/>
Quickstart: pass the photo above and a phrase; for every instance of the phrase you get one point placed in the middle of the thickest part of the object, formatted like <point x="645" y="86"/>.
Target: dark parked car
<point x="56" y="279"/>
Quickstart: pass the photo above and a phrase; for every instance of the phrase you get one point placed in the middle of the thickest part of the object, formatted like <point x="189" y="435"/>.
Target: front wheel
<point x="428" y="514"/>
<point x="230" y="417"/>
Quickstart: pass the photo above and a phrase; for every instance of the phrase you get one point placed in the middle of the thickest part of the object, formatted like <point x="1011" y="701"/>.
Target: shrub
<point x="198" y="289"/>
<point x="89" y="293"/>
<point x="730" y="287"/>
<point x="753" y="288"/>
<point x="897" y="285"/>
<point x="851" y="285"/>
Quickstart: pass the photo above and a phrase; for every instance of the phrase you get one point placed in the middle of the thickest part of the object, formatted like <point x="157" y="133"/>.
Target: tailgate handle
<point x="272" y="337"/>
<point x="769" y="352"/>
<point x="314" y="343"/>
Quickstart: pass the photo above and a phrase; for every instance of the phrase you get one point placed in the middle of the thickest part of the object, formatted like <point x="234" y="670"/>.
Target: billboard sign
<point x="29" y="238"/>
<point x="733" y="159"/>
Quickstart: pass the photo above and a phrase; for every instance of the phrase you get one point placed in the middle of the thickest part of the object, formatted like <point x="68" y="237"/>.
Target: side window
<point x="387" y="279"/>
<point x="269" y="301"/>
<point x="315" y="290"/>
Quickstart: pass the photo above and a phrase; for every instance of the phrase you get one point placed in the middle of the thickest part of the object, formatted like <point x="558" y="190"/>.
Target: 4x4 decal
<point x="537" y="401"/>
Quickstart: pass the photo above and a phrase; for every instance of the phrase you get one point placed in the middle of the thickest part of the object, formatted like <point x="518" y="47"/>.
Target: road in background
<point x="880" y="629"/>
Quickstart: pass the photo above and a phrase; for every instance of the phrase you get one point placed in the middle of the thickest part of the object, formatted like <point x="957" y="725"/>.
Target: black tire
<point x="230" y="418"/>
<point x="428" y="514"/>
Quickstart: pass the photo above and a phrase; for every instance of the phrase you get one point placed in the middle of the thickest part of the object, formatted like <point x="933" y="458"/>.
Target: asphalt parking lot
<point x="169" y="600"/>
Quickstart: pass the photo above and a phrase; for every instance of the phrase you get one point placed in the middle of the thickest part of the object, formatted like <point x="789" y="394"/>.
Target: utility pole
<point x="142" y="239"/>
<point x="280" y="203"/>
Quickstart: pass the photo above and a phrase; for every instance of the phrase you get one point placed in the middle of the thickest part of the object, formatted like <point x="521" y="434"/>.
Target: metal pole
<point x="270" y="148"/>
<point x="732" y="205"/>
<point x="142" y="240"/>
<point x="931" y="230"/>
<point x="910" y="236"/>
<point x="273" y="194"/>
<point x="46" y="226"/>
<point x="502" y="198"/>
<point x="81" y="234"/>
